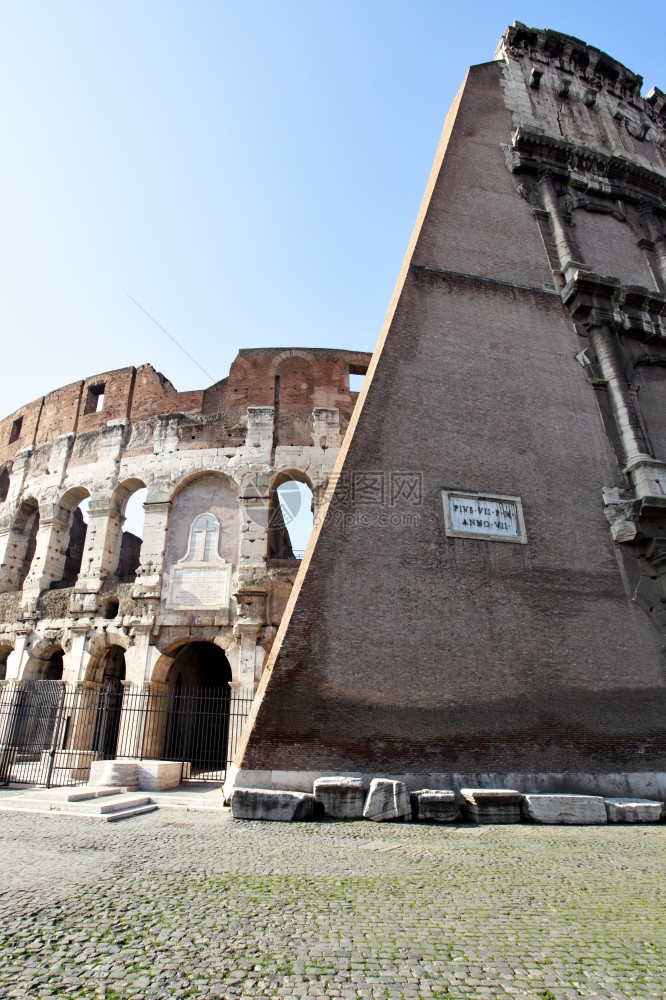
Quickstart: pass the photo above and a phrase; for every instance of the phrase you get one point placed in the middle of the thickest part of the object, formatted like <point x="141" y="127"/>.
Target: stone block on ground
<point x="556" y="808"/>
<point x="387" y="800"/>
<point x="267" y="804"/>
<point x="492" y="805"/>
<point x="114" y="773"/>
<point x="633" y="810"/>
<point x="158" y="775"/>
<point x="340" y="797"/>
<point x="430" y="805"/>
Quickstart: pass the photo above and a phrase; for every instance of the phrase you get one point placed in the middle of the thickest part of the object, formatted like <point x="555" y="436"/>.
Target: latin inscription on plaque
<point x="202" y="578"/>
<point x="479" y="515"/>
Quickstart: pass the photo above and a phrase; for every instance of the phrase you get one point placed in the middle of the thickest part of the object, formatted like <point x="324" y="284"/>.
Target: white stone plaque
<point x="201" y="580"/>
<point x="482" y="515"/>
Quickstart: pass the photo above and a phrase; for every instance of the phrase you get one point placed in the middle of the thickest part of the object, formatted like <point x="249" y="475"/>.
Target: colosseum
<point x="193" y="603"/>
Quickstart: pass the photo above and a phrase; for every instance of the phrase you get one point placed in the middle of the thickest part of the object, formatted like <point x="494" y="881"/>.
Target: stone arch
<point x="204" y="492"/>
<point x="99" y="648"/>
<point x="45" y="662"/>
<point x="284" y="507"/>
<point x="126" y="544"/>
<point x="70" y="507"/>
<point x="160" y="673"/>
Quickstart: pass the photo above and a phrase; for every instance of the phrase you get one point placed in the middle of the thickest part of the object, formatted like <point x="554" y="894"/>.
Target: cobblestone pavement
<point x="197" y="905"/>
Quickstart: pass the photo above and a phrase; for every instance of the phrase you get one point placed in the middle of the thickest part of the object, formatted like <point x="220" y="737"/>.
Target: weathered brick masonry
<point x="524" y="356"/>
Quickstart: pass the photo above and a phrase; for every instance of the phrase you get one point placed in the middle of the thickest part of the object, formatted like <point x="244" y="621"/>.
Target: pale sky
<point x="248" y="172"/>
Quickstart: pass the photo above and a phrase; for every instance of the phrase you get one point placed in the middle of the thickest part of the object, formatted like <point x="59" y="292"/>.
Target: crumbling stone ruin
<point x="484" y="604"/>
<point x="201" y="595"/>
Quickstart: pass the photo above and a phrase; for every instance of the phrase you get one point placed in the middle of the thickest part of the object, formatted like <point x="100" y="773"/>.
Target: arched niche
<point x="208" y="493"/>
<point x="290" y="515"/>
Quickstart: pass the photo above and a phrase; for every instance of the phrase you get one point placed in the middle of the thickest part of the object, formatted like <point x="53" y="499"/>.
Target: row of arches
<point x="72" y="554"/>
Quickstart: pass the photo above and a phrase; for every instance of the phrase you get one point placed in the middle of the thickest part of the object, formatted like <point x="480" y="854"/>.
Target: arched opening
<point x="54" y="666"/>
<point x="75" y="502"/>
<point x="4" y="653"/>
<point x="110" y="673"/>
<point x="37" y="709"/>
<point x="130" y="498"/>
<point x="27" y="524"/>
<point x="197" y="728"/>
<point x="200" y="664"/>
<point x="291" y="516"/>
<point x="4" y="484"/>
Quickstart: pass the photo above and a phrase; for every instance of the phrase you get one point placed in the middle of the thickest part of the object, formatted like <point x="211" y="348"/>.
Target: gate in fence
<point x="50" y="732"/>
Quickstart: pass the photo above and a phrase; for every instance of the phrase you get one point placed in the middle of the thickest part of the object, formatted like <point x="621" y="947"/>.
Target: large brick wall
<point x="405" y="651"/>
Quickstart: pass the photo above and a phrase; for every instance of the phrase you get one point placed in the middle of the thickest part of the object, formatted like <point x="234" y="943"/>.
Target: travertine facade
<point x="84" y="606"/>
<point x="484" y="601"/>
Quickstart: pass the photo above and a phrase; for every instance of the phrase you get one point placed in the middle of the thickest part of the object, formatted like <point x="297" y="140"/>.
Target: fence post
<point x="56" y="734"/>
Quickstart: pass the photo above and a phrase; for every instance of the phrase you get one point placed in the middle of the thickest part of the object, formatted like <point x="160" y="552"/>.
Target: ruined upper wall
<point x="294" y="379"/>
<point x="556" y="85"/>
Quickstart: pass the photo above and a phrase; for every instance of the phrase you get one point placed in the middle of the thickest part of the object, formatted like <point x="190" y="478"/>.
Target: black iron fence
<point x="50" y="732"/>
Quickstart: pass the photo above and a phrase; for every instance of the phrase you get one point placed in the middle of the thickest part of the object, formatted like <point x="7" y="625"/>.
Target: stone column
<point x="48" y="563"/>
<point x="102" y="551"/>
<point x="19" y="656"/>
<point x="148" y="583"/>
<point x="75" y="661"/>
<point x="563" y="244"/>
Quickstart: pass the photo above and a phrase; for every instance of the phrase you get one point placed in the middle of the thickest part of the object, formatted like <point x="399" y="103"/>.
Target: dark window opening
<point x="95" y="399"/>
<point x="15" y="432"/>
<point x="110" y="608"/>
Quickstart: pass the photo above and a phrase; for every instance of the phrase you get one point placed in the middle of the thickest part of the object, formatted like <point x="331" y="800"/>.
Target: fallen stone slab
<point x="387" y="800"/>
<point x="574" y="809"/>
<point x="634" y="810"/>
<point x="340" y="797"/>
<point x="492" y="805"/>
<point x="276" y="806"/>
<point x="431" y="805"/>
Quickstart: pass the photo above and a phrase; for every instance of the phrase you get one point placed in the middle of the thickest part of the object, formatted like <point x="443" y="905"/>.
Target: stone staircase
<point x="107" y="804"/>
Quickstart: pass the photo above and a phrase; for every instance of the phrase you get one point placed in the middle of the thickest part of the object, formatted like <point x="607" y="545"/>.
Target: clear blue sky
<point x="249" y="172"/>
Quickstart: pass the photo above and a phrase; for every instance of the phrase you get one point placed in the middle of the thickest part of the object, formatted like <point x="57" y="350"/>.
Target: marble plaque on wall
<point x="201" y="580"/>
<point x="485" y="516"/>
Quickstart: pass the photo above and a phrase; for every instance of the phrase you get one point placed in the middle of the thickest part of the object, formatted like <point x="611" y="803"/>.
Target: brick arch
<point x="292" y="352"/>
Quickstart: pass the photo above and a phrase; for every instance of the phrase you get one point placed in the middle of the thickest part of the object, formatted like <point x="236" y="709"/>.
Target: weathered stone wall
<point x="408" y="649"/>
<point x="215" y="453"/>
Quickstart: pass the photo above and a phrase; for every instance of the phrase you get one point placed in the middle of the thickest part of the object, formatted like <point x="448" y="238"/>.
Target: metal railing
<point x="50" y="732"/>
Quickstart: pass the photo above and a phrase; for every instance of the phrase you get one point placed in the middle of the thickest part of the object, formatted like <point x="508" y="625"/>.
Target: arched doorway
<point x="110" y="674"/>
<point x="198" y="723"/>
<point x="290" y="516"/>
<point x="38" y="710"/>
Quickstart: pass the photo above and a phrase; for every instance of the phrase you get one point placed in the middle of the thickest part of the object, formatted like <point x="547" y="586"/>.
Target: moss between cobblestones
<point x="209" y="908"/>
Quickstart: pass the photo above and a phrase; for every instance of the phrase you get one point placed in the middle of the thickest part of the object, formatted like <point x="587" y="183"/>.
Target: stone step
<point x="128" y="813"/>
<point x="94" y="793"/>
<point x="122" y="803"/>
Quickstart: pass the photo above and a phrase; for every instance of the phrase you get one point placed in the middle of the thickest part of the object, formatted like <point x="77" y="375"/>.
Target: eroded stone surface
<point x="280" y="807"/>
<point x="492" y="805"/>
<point x="579" y="809"/>
<point x="434" y="806"/>
<point x="633" y="810"/>
<point x="340" y="797"/>
<point x="387" y="800"/>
